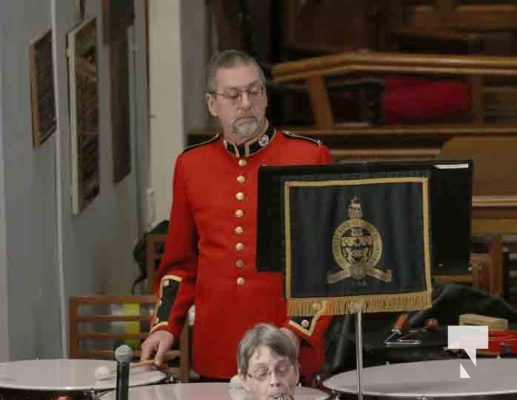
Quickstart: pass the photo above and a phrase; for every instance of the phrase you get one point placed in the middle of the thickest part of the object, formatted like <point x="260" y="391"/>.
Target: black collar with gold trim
<point x="249" y="148"/>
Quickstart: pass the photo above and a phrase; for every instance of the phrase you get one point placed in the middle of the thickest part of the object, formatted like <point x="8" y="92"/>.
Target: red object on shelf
<point x="412" y="99"/>
<point x="502" y="341"/>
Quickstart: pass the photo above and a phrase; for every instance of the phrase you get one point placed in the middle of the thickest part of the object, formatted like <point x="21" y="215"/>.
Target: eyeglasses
<point x="281" y="371"/>
<point x="234" y="97"/>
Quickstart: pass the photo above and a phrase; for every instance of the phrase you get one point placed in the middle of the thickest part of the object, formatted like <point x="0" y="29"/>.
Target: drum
<point x="46" y="379"/>
<point x="489" y="379"/>
<point x="203" y="391"/>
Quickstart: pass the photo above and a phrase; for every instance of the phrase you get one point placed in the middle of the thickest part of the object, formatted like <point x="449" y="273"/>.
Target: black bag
<point x="449" y="302"/>
<point x="140" y="252"/>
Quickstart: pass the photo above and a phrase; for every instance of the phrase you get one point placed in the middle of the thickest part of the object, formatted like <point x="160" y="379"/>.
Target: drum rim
<point x="143" y="389"/>
<point x="442" y="395"/>
<point x="96" y="385"/>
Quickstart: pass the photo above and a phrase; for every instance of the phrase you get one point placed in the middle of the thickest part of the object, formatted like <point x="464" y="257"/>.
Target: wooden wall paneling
<point x="331" y="26"/>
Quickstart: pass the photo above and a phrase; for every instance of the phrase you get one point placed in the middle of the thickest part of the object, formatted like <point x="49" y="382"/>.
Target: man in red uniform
<point x="209" y="257"/>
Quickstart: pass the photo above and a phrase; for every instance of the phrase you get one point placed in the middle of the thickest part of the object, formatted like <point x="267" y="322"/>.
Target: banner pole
<point x="359" y="353"/>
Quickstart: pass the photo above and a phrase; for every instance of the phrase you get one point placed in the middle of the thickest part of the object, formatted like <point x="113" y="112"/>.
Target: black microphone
<point x="123" y="355"/>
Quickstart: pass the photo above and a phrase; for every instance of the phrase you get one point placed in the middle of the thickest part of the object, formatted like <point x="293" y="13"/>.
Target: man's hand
<point x="294" y="338"/>
<point x="157" y="344"/>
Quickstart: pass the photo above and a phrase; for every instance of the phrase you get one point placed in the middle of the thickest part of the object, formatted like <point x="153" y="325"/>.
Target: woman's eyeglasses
<point x="281" y="371"/>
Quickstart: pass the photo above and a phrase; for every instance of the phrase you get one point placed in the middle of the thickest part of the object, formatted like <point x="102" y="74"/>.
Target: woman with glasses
<point x="268" y="363"/>
<point x="210" y="251"/>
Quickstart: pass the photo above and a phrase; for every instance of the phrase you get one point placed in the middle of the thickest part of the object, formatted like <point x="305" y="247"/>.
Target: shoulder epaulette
<point x="212" y="139"/>
<point x="295" y="136"/>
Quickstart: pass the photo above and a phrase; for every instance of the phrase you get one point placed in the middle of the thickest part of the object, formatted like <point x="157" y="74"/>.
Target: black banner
<point x="357" y="242"/>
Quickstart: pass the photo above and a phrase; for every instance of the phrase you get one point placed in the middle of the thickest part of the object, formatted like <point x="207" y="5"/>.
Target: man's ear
<point x="210" y="102"/>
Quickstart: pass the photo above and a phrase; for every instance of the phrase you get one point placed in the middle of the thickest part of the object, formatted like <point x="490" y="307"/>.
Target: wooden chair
<point x="98" y="324"/>
<point x="479" y="276"/>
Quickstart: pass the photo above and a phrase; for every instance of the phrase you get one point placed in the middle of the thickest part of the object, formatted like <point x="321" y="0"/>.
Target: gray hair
<point x="264" y="335"/>
<point x="228" y="59"/>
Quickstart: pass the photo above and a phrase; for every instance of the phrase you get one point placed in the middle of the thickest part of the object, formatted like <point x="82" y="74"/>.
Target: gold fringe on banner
<point x="365" y="303"/>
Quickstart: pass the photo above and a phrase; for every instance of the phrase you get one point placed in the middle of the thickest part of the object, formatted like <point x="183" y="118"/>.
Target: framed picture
<point x="120" y="110"/>
<point x="84" y="113"/>
<point x="43" y="105"/>
<point x="117" y="16"/>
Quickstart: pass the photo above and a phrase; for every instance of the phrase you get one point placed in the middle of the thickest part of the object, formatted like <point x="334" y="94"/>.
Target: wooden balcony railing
<point x="313" y="72"/>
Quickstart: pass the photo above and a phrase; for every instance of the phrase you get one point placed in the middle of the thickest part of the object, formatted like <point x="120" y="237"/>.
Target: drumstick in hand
<point x="104" y="373"/>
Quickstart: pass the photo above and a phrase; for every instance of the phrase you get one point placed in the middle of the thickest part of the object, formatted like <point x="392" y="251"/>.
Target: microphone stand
<point x="123" y="355"/>
<point x="359" y="352"/>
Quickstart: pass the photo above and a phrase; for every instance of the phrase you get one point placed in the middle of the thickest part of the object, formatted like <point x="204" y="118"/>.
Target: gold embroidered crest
<point x="357" y="248"/>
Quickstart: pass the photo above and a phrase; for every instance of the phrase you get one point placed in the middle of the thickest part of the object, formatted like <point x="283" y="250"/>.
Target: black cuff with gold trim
<point x="169" y="287"/>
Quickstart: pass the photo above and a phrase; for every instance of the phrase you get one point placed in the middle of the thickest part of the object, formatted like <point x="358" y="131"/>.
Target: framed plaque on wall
<point x="117" y="17"/>
<point x="84" y="113"/>
<point x="43" y="105"/>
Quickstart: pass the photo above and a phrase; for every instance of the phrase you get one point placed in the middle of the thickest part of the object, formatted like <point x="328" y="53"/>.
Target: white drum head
<point x="202" y="391"/>
<point x="67" y="375"/>
<point x="432" y="379"/>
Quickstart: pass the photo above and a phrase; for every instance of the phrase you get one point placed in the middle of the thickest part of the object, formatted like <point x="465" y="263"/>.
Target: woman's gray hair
<point x="264" y="335"/>
<point x="228" y="59"/>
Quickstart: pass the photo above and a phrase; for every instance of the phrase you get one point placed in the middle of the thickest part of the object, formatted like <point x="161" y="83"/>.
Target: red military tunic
<point x="209" y="256"/>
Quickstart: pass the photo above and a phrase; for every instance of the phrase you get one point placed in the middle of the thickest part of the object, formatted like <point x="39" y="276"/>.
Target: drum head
<point x="432" y="379"/>
<point x="67" y="375"/>
<point x="203" y="391"/>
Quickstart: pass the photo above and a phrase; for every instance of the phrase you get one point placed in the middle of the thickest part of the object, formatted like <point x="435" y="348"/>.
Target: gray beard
<point x="246" y="129"/>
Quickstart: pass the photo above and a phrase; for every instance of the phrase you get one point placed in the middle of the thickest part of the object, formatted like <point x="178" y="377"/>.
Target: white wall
<point x="166" y="106"/>
<point x="46" y="253"/>
<point x="140" y="108"/>
<point x="41" y="242"/>
<point x="97" y="243"/>
<point x="178" y="51"/>
<point x="29" y="194"/>
<point x="4" y="294"/>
